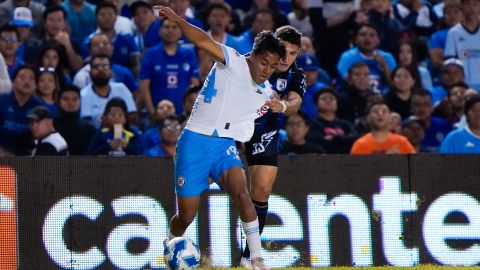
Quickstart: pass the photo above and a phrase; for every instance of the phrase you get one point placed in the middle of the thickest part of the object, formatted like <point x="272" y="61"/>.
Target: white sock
<point x="253" y="238"/>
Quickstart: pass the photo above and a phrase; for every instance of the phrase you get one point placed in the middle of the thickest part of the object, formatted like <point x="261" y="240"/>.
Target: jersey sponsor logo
<point x="281" y="85"/>
<point x="263" y="110"/>
<point x="181" y="181"/>
<point x="265" y="140"/>
<point x="8" y="219"/>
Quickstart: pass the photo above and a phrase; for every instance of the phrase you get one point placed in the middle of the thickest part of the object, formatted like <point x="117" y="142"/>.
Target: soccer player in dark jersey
<point x="262" y="149"/>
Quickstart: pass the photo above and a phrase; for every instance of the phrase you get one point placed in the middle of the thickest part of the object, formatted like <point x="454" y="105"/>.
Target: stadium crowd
<point x="109" y="77"/>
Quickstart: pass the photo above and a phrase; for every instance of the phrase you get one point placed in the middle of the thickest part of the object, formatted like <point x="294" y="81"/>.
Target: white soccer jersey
<point x="465" y="46"/>
<point x="230" y="100"/>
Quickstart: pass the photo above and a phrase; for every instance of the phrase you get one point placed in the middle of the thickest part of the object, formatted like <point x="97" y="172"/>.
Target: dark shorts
<point x="263" y="149"/>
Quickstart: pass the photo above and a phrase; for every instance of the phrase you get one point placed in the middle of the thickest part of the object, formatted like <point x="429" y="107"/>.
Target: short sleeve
<point x="298" y="83"/>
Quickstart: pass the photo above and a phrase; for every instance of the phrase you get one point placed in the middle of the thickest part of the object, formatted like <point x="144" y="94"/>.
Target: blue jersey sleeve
<point x="146" y="68"/>
<point x="132" y="46"/>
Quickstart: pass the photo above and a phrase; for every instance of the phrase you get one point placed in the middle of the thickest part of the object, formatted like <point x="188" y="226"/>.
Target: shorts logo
<point x="281" y="84"/>
<point x="181" y="181"/>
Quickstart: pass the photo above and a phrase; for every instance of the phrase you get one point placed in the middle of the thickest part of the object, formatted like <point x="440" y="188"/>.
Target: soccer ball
<point x="181" y="253"/>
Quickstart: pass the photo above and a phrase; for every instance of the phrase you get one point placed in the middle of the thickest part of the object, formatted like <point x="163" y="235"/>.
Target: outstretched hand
<point x="166" y="12"/>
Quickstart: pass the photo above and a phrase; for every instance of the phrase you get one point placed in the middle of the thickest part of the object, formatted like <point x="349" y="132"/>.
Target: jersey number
<point x="209" y="90"/>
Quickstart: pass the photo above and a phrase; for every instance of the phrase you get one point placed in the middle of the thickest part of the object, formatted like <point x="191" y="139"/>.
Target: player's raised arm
<point x="196" y="35"/>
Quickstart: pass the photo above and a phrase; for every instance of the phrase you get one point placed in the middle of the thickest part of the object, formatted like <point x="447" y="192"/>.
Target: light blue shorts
<point x="199" y="157"/>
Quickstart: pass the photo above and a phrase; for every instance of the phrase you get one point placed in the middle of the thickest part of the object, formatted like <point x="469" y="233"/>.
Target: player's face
<point x="473" y="116"/>
<point x="263" y="65"/>
<point x="291" y="54"/>
<point x="379" y="117"/>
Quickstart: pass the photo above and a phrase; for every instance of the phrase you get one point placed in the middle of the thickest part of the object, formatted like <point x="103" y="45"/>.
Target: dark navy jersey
<point x="264" y="141"/>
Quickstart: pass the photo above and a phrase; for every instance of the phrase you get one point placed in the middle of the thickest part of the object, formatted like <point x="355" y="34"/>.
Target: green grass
<point x="420" y="267"/>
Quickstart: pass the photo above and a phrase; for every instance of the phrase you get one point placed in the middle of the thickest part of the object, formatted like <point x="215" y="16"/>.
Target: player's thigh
<point x="234" y="181"/>
<point x="262" y="178"/>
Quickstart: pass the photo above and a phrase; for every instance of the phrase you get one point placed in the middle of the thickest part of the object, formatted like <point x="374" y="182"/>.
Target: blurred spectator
<point x="55" y="26"/>
<point x="234" y="25"/>
<point x="100" y="44"/>
<point x="332" y="21"/>
<point x="147" y="25"/>
<point x="168" y="69"/>
<point x="53" y="55"/>
<point x="48" y="88"/>
<point x="48" y="142"/>
<point x="389" y="28"/>
<point x="8" y="6"/>
<point x="8" y="47"/>
<point x="95" y="95"/>
<point x="465" y="140"/>
<point x="335" y="135"/>
<point x="452" y="72"/>
<point x="115" y="138"/>
<point x="168" y="132"/>
<point x="352" y="98"/>
<point x="309" y="64"/>
<point x="5" y="82"/>
<point x="279" y="17"/>
<point x="123" y="25"/>
<point x="405" y="55"/>
<point x="463" y="42"/>
<point x="125" y="52"/>
<point x="416" y="16"/>
<point x="470" y="93"/>
<point x="15" y="138"/>
<point x="262" y="19"/>
<point x="181" y="7"/>
<point x="150" y="137"/>
<point x="188" y="102"/>
<point x="379" y="62"/>
<point x="218" y="19"/>
<point x="80" y="16"/>
<point x="453" y="14"/>
<point x="414" y="131"/>
<point x="28" y="44"/>
<point x="403" y="86"/>
<point x="297" y="129"/>
<point x="380" y="140"/>
<point x="435" y="128"/>
<point x="361" y="124"/>
<point x="299" y="18"/>
<point x="77" y="132"/>
<point x="307" y="46"/>
<point x="451" y="108"/>
<point x="395" y="123"/>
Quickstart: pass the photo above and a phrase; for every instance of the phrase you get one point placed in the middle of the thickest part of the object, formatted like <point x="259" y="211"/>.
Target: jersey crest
<point x="281" y="85"/>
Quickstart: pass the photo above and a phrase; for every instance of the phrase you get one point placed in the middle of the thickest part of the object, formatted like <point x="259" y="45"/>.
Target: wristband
<point x="284" y="105"/>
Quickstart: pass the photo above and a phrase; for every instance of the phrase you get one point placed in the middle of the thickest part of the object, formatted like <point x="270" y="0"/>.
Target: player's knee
<point x="261" y="193"/>
<point x="240" y="195"/>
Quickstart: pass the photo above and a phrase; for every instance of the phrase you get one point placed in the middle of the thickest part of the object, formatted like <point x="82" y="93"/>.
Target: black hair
<point x="422" y="92"/>
<point x="105" y="4"/>
<point x="265" y="41"/>
<point x="100" y="56"/>
<point x="191" y="90"/>
<point x="69" y="88"/>
<point x="222" y="6"/>
<point x="263" y="11"/>
<point x="9" y="28"/>
<point x="357" y="65"/>
<point x="362" y="25"/>
<point x="375" y="104"/>
<point x="469" y="104"/>
<point x="327" y="89"/>
<point x="170" y="118"/>
<point x="117" y="102"/>
<point x="302" y="115"/>
<point x="457" y="84"/>
<point x="289" y="34"/>
<point x="22" y="67"/>
<point x="52" y="9"/>
<point x="410" y="70"/>
<point x="63" y="62"/>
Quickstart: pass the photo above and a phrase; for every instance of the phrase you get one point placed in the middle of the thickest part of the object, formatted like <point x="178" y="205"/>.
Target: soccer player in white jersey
<point x="235" y="93"/>
<point x="463" y="42"/>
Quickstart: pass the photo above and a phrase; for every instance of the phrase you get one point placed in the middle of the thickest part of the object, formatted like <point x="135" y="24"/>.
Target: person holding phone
<point x="116" y="138"/>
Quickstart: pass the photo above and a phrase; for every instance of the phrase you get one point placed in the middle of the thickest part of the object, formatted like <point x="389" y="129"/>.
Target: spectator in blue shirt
<point x="465" y="140"/>
<point x="168" y="69"/>
<point x="80" y="16"/>
<point x="309" y="64"/>
<point x="366" y="50"/>
<point x="452" y="72"/>
<point x="14" y="107"/>
<point x="180" y="7"/>
<point x="125" y="51"/>
<point x="169" y="132"/>
<point x="164" y="109"/>
<point x="8" y="47"/>
<point x="263" y="19"/>
<point x="147" y="24"/>
<point x="436" y="129"/>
